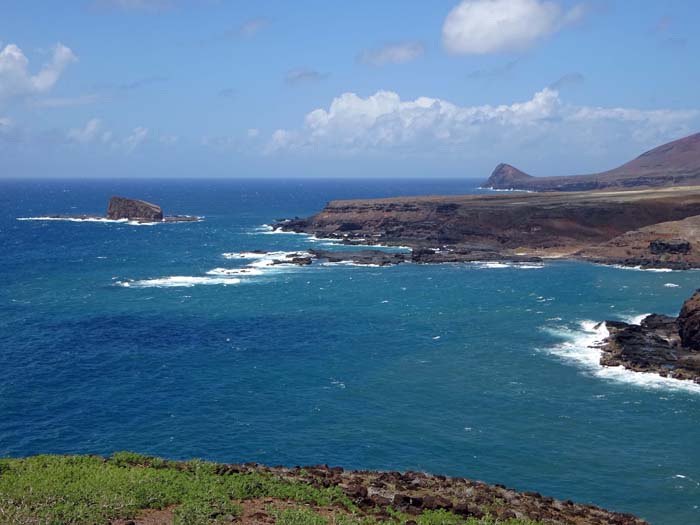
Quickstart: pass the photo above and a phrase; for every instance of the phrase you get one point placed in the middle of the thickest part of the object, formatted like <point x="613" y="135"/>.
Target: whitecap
<point x="580" y="347"/>
<point x="245" y="255"/>
<point x="637" y="268"/>
<point x="671" y="285"/>
<point x="247" y="271"/>
<point x="177" y="281"/>
<point x="503" y="264"/>
<point x="102" y="220"/>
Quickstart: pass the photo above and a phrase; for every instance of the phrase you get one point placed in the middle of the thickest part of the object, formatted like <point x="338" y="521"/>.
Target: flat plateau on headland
<point x="131" y="489"/>
<point x="650" y="228"/>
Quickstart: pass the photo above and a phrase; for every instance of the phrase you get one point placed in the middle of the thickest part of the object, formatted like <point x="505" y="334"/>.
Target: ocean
<point x="175" y="340"/>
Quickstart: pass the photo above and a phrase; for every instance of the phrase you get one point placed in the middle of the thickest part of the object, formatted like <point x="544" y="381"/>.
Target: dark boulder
<point x="689" y="322"/>
<point x="673" y="246"/>
<point x="134" y="210"/>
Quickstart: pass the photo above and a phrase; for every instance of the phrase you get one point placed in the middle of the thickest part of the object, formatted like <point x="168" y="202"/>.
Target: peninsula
<point x="650" y="228"/>
<point x="674" y="164"/>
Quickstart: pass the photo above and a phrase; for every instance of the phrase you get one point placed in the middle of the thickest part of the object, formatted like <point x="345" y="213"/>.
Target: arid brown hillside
<point x="674" y="164"/>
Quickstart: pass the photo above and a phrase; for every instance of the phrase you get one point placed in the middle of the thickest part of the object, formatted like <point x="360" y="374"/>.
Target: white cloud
<point x="94" y="132"/>
<point x="88" y="133"/>
<point x="393" y="54"/>
<point x="137" y="136"/>
<point x="253" y="132"/>
<point x="477" y="27"/>
<point x="16" y="79"/>
<point x="384" y="122"/>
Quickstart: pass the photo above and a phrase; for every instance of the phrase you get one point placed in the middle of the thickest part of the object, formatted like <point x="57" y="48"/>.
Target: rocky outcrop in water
<point x="132" y="210"/>
<point x="689" y="322"/>
<point x="668" y="346"/>
<point x="120" y="208"/>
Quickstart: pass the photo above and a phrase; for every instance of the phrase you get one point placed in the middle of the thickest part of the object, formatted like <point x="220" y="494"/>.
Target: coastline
<point x="130" y="488"/>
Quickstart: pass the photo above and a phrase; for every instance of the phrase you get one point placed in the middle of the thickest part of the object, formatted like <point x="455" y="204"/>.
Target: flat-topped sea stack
<point x="674" y="164"/>
<point x="582" y="225"/>
<point x="668" y="346"/>
<point x="134" y="210"/>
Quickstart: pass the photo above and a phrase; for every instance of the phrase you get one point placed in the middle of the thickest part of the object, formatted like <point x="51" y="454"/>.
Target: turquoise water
<point x="472" y="370"/>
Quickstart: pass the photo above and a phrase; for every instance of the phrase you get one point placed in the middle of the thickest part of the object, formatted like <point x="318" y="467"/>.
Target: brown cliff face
<point x="503" y="222"/>
<point x="133" y="209"/>
<point x="689" y="322"/>
<point x="676" y="163"/>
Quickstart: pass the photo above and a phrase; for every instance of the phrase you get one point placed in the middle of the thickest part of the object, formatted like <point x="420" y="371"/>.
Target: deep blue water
<point x="463" y="370"/>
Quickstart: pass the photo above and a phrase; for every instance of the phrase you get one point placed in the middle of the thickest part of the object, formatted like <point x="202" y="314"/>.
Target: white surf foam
<point x="244" y="255"/>
<point x="501" y="264"/>
<point x="177" y="281"/>
<point x="504" y="190"/>
<point x="352" y="263"/>
<point x="579" y="347"/>
<point x="247" y="272"/>
<point x="97" y="219"/>
<point x="671" y="285"/>
<point x="637" y="268"/>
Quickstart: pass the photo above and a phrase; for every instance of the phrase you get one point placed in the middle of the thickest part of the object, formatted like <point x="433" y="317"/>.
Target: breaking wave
<point x="579" y="347"/>
<point x="177" y="281"/>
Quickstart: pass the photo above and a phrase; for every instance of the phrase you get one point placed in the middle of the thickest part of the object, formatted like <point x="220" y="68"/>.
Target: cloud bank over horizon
<point x="383" y="122"/>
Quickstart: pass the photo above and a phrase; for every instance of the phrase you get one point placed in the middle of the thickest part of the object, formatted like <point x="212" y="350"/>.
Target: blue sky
<point x="142" y="88"/>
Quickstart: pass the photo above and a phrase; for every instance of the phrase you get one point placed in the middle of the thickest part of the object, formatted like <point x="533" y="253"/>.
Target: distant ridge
<point x="676" y="163"/>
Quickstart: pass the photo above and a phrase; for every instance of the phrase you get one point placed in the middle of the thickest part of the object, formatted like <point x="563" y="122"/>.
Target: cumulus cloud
<point x="476" y="27"/>
<point x="17" y="81"/>
<point x="384" y="122"/>
<point x="392" y="54"/>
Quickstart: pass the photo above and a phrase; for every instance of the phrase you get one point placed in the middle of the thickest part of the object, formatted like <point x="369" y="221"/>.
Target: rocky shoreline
<point x="133" y="489"/>
<point x="645" y="228"/>
<point x="374" y="492"/>
<point x="668" y="346"/>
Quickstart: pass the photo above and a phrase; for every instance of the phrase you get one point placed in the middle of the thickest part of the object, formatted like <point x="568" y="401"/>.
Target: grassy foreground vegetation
<point x="58" y="490"/>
